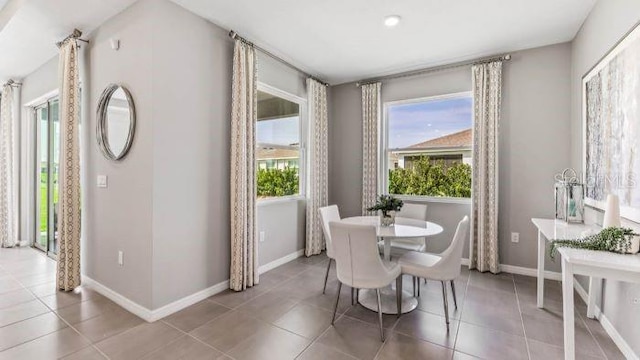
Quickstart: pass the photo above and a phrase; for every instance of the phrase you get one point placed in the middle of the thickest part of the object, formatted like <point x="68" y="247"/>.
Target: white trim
<point x="173" y="307"/>
<point x="606" y="324"/>
<point x="434" y="199"/>
<point x="279" y="262"/>
<point x="42" y="99"/>
<point x="525" y="271"/>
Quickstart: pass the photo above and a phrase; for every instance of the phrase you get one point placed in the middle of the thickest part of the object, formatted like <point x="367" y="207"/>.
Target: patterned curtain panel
<point x="69" y="178"/>
<point x="318" y="170"/>
<point x="244" y="246"/>
<point x="371" y="116"/>
<point x="487" y="94"/>
<point x="8" y="176"/>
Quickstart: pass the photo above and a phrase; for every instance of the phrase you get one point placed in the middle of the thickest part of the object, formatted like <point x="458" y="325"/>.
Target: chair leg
<point x="453" y="291"/>
<point x="414" y="286"/>
<point x="335" y="308"/>
<point x="326" y="276"/>
<point x="353" y="296"/>
<point x="419" y="286"/>
<point x="399" y="294"/>
<point x="380" y="315"/>
<point x="446" y="303"/>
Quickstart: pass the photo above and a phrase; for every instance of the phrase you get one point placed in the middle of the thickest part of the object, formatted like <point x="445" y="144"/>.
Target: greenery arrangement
<point x="432" y="179"/>
<point x="387" y="203"/>
<point x="277" y="182"/>
<point x="613" y="239"/>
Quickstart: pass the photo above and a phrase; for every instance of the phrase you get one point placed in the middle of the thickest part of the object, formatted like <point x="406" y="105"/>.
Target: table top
<point x="553" y="229"/>
<point x="396" y="231"/>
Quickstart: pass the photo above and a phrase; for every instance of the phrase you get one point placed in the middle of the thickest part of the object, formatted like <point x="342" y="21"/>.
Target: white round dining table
<point x="367" y="297"/>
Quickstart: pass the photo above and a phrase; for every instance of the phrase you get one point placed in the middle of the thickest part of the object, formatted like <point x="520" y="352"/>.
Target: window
<point x="279" y="153"/>
<point x="427" y="146"/>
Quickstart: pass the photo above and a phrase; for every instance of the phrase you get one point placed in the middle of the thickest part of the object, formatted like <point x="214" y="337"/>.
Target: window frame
<point x="383" y="149"/>
<point x="303" y="136"/>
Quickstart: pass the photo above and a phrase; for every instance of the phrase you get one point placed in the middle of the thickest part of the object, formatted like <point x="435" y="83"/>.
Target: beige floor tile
<point x="228" y="330"/>
<point x="429" y="327"/>
<point x="36" y="279"/>
<point x="431" y="301"/>
<point x="400" y="346"/>
<point x="65" y="298"/>
<point x="490" y="344"/>
<point x="29" y="329"/>
<point x="353" y="337"/>
<point x="609" y="348"/>
<point x="138" y="341"/>
<point x="196" y="315"/>
<point x="542" y="351"/>
<point x="9" y="284"/>
<point x="291" y="269"/>
<point x="271" y="343"/>
<point x="268" y="307"/>
<point x="318" y="351"/>
<point x="88" y="353"/>
<point x="86" y="310"/>
<point x="185" y="347"/>
<point x="501" y="282"/>
<point x="552" y="332"/>
<point x="233" y="299"/>
<point x="44" y="290"/>
<point x="15" y="297"/>
<point x="327" y="301"/>
<point x="21" y="312"/>
<point x="462" y="356"/>
<point x="51" y="346"/>
<point x="108" y="324"/>
<point x="305" y="320"/>
<point x="369" y="316"/>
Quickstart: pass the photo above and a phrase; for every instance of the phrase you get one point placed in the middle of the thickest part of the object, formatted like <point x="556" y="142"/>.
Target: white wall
<point x="607" y="23"/>
<point x="534" y="144"/>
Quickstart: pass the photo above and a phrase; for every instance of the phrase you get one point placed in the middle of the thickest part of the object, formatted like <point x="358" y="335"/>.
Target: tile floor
<point x="286" y="317"/>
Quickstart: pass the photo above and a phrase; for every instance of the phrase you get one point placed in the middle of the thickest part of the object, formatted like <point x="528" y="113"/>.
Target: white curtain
<point x="8" y="175"/>
<point x="487" y="94"/>
<point x="317" y="183"/>
<point x="371" y="116"/>
<point x="244" y="247"/>
<point x="69" y="178"/>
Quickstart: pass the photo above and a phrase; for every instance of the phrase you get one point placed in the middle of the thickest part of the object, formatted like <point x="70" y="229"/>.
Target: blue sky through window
<point x="283" y="131"/>
<point x="414" y="123"/>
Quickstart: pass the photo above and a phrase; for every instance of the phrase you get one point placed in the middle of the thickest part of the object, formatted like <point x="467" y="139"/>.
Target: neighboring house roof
<point x="461" y="139"/>
<point x="274" y="153"/>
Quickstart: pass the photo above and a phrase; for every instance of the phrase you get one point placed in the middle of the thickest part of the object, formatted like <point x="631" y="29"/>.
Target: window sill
<point x="434" y="199"/>
<point x="278" y="200"/>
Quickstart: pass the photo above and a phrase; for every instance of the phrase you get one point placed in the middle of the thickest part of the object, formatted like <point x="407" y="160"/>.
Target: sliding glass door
<point x="47" y="167"/>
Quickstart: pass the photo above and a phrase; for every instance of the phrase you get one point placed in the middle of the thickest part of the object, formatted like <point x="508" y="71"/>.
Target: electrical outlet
<point x="101" y="181"/>
<point x="636" y="301"/>
<point x="515" y="237"/>
<point x="262" y="236"/>
<point x="120" y="258"/>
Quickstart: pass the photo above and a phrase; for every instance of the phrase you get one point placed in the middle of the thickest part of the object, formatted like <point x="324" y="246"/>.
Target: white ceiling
<point x="345" y="40"/>
<point x="28" y="38"/>
<point x="336" y="40"/>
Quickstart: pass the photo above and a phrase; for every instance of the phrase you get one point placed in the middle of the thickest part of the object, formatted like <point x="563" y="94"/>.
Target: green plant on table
<point x="387" y="203"/>
<point x="612" y="239"/>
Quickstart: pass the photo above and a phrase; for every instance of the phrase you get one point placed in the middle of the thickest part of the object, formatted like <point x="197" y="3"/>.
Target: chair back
<point x="451" y="258"/>
<point x="328" y="214"/>
<point x="413" y="211"/>
<point x="358" y="263"/>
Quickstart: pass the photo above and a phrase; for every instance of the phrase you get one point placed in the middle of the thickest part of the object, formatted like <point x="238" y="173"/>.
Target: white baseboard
<point x="607" y="325"/>
<point x="519" y="270"/>
<point x="281" y="261"/>
<point x="166" y="310"/>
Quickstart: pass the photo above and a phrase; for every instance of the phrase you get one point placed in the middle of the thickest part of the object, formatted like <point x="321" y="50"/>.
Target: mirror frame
<point x="102" y="117"/>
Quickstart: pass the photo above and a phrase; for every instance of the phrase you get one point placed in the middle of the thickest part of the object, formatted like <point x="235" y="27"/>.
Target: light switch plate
<point x="101" y="181"/>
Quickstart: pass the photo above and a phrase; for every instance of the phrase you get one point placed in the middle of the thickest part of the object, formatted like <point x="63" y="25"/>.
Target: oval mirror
<point x="116" y="122"/>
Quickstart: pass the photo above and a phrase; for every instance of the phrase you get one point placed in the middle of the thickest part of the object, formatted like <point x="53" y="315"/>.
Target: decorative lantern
<point x="569" y="197"/>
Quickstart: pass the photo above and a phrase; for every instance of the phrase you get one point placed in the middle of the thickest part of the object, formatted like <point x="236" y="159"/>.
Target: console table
<point x="597" y="265"/>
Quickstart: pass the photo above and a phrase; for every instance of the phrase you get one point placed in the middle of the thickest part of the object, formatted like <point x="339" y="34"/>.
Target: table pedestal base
<point x="369" y="300"/>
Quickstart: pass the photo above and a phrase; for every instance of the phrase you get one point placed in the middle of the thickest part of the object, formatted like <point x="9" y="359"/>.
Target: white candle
<point x="612" y="212"/>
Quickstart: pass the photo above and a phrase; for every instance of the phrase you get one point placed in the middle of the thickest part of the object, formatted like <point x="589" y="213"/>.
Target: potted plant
<point x="613" y="239"/>
<point x="387" y="205"/>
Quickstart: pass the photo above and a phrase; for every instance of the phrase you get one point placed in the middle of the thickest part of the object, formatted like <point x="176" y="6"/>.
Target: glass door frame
<point x="46" y="105"/>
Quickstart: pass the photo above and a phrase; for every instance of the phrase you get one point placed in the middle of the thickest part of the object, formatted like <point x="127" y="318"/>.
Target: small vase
<point x="389" y="219"/>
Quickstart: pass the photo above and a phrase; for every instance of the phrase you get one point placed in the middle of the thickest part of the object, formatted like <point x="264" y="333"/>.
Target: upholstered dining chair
<point x="444" y="267"/>
<point x="359" y="265"/>
<point x="328" y="214"/>
<point x="412" y="215"/>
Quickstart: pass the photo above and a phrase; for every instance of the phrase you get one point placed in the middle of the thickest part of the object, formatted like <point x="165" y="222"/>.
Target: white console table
<point x="597" y="265"/>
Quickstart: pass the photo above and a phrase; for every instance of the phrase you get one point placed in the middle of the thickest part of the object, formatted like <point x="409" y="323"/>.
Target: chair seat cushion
<point x="421" y="264"/>
<point x="405" y="245"/>
<point x="393" y="269"/>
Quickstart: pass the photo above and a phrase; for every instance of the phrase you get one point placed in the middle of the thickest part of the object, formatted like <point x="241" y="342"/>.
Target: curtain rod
<point x="12" y="83"/>
<point x="234" y="35"/>
<point x="505" y="57"/>
<point x="74" y="35"/>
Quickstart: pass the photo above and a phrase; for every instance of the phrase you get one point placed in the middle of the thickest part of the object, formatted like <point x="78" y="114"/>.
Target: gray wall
<point x="167" y="204"/>
<point x="533" y="144"/>
<point x="607" y="23"/>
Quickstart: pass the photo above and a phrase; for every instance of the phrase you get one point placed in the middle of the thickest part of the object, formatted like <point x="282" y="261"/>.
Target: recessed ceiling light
<point x="391" y="20"/>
